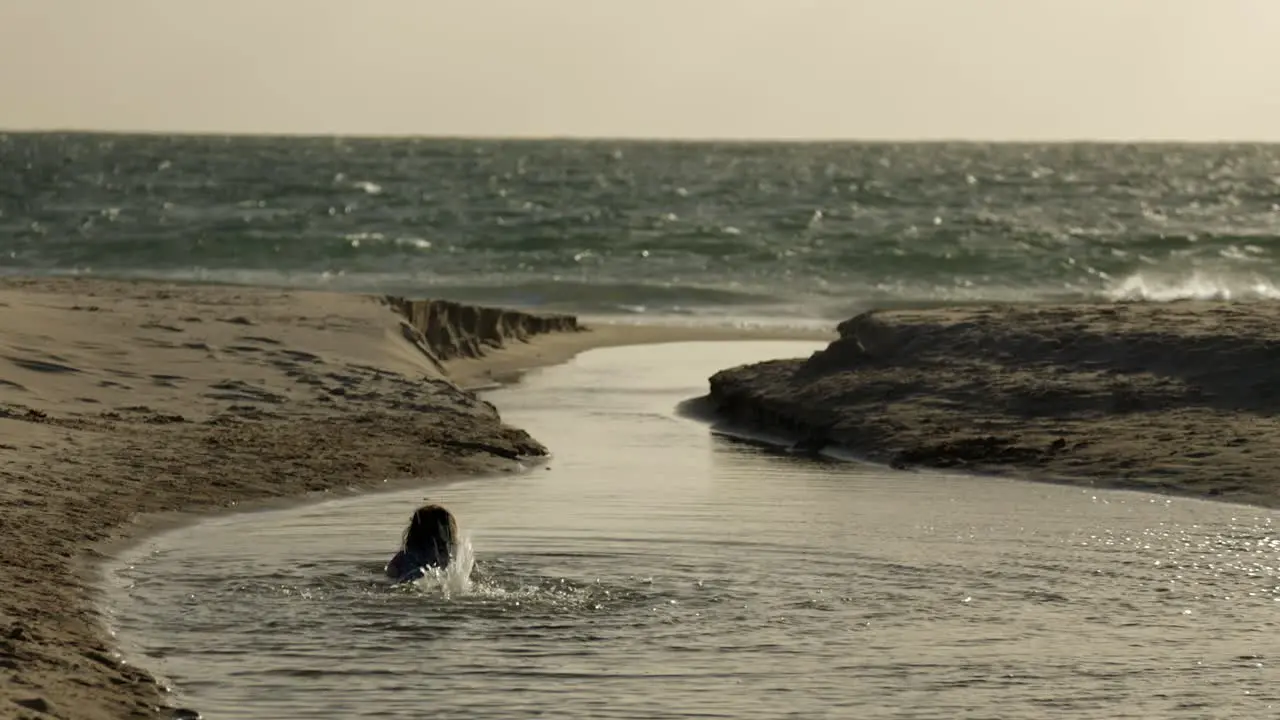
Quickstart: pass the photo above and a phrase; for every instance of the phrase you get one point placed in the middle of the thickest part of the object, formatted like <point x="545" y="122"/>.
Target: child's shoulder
<point x="396" y="565"/>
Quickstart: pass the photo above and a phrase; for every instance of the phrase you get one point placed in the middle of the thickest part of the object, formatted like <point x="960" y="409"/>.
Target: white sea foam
<point x="1193" y="285"/>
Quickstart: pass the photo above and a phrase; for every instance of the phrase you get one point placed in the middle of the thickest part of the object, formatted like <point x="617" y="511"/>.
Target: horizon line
<point x="690" y="139"/>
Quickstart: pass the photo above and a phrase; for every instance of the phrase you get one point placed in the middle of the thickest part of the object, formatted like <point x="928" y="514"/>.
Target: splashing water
<point x="452" y="580"/>
<point x="499" y="584"/>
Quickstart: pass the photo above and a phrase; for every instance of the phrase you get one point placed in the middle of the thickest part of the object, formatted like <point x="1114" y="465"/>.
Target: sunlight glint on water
<point x="656" y="571"/>
<point x="787" y="231"/>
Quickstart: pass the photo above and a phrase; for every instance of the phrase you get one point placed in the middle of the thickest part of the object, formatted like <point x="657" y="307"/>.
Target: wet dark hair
<point x="431" y="535"/>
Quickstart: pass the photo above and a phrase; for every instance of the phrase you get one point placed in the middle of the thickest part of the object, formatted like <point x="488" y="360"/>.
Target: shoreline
<point x="131" y="407"/>
<point x="1169" y="398"/>
<point x="795" y="445"/>
<point x="148" y="405"/>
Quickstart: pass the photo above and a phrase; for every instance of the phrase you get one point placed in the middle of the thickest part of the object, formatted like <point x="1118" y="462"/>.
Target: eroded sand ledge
<point x="1180" y="398"/>
<point x="451" y="330"/>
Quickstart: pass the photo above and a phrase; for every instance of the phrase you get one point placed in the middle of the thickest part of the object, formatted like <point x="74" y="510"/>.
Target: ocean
<point x="785" y="231"/>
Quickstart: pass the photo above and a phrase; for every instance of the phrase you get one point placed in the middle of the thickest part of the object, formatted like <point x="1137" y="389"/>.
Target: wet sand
<point x="122" y="401"/>
<point x="1176" y="398"/>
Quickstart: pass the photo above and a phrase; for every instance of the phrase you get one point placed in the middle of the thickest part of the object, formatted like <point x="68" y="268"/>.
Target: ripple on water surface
<point x="657" y="571"/>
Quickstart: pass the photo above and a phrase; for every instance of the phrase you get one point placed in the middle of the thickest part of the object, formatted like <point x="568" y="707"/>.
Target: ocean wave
<point x="662" y="229"/>
<point x="1192" y="285"/>
<point x="704" y="304"/>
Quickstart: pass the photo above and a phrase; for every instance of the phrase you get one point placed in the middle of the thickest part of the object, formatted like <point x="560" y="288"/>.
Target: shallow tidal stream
<point x="657" y="570"/>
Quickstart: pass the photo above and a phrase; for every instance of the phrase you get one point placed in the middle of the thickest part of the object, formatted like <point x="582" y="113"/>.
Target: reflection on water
<point x="656" y="571"/>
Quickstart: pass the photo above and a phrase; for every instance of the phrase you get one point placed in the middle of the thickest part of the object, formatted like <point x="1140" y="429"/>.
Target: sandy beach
<point x="1175" y="398"/>
<point x="123" y="401"/>
<point x="128" y="405"/>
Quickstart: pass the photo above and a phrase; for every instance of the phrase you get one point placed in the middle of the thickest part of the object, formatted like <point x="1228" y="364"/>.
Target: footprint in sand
<point x="348" y="381"/>
<point x="298" y="374"/>
<point x="152" y="342"/>
<point x="161" y="326"/>
<point x="299" y="355"/>
<point x="241" y="391"/>
<point x="252" y="412"/>
<point x="42" y="365"/>
<point x="259" y="339"/>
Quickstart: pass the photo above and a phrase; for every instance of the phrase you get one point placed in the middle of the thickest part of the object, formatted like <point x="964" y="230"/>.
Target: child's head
<point x="431" y="531"/>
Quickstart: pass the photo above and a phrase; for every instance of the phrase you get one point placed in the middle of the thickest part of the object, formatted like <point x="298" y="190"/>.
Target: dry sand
<point x="1175" y="398"/>
<point x="122" y="400"/>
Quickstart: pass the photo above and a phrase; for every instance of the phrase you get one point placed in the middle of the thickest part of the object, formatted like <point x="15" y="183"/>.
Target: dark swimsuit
<point x="407" y="567"/>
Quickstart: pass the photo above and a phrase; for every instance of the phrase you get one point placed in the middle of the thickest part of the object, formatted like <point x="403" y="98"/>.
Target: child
<point x="429" y="541"/>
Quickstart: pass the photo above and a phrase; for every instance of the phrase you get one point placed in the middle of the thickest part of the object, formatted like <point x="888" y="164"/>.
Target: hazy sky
<point x="992" y="69"/>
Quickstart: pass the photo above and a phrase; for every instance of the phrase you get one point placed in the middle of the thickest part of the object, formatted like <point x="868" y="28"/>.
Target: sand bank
<point x="120" y="400"/>
<point x="1176" y="398"/>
